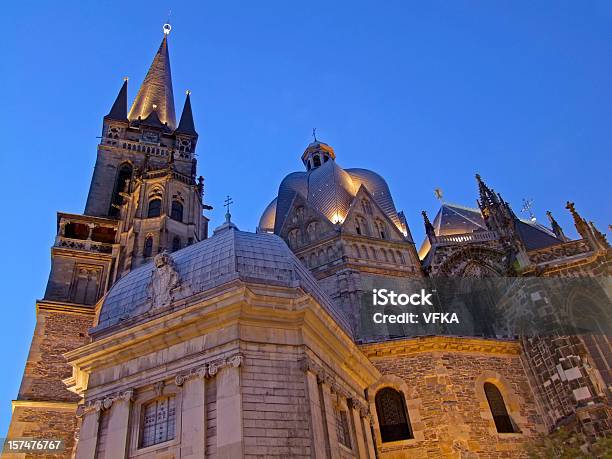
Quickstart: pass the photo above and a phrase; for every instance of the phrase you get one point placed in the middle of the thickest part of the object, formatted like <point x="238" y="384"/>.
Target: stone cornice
<point x="59" y="306"/>
<point x="44" y="405"/>
<point x="406" y="347"/>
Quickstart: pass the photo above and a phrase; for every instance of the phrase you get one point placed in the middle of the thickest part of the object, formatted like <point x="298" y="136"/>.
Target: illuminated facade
<point x="155" y="340"/>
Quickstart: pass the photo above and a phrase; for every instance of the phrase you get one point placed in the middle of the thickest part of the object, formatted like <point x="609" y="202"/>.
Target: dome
<point x="330" y="189"/>
<point x="229" y="255"/>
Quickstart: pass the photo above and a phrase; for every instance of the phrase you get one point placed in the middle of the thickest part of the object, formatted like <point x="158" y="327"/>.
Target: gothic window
<point x="374" y="255"/>
<point x="503" y="422"/>
<point x="86" y="285"/>
<point x="177" y="211"/>
<point x="330" y="254"/>
<point x="322" y="259"/>
<point x="380" y="229"/>
<point x="358" y="227"/>
<point x="294" y="238"/>
<point x="392" y="256"/>
<point x="122" y="184"/>
<point x="384" y="254"/>
<point x="400" y="257"/>
<point x="357" y="252"/>
<point x="158" y="421"/>
<point x="154" y="208"/>
<point x="364" y="250"/>
<point x="316" y="161"/>
<point x="365" y="205"/>
<point x="176" y="243"/>
<point x="342" y="428"/>
<point x="312" y="261"/>
<point x="148" y="247"/>
<point x="312" y="231"/>
<point x="393" y="417"/>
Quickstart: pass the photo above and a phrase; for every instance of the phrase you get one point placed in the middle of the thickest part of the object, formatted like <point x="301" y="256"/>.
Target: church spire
<point x="429" y="228"/>
<point x="556" y="227"/>
<point x="156" y="90"/>
<point x="119" y="109"/>
<point x="186" y="124"/>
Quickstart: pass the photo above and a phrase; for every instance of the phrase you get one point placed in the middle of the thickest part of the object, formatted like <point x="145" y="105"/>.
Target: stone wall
<point x="450" y="417"/>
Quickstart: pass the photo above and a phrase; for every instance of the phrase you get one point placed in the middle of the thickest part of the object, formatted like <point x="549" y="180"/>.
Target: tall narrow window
<point x="154" y="208"/>
<point x="176" y="243"/>
<point x="158" y="421"/>
<point x="503" y="422"/>
<point x="392" y="415"/>
<point x="316" y="160"/>
<point x="177" y="211"/>
<point x="122" y="184"/>
<point x="342" y="428"/>
<point x="148" y="247"/>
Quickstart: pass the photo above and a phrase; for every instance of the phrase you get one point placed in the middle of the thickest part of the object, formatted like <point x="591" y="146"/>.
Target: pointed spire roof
<point x="186" y="124"/>
<point x="156" y="90"/>
<point x="119" y="109"/>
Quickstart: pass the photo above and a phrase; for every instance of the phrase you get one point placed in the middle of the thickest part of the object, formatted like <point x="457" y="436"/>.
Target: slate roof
<point x="230" y="254"/>
<point x="330" y="189"/>
<point x="156" y="89"/>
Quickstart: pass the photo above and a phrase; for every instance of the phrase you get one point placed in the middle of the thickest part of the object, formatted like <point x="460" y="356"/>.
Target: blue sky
<point x="424" y="93"/>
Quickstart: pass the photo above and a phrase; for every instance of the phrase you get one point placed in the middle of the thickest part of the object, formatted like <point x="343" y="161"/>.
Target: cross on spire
<point x="314" y="134"/>
<point x="527" y="209"/>
<point x="228" y="201"/>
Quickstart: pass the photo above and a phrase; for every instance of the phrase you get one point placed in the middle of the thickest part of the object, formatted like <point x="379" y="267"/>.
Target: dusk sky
<point x="426" y="94"/>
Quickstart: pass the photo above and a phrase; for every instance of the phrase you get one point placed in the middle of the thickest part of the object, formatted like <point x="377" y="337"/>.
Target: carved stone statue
<point x="164" y="281"/>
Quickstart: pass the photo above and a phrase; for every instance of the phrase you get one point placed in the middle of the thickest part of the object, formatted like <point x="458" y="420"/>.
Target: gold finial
<point x="126" y="78"/>
<point x="167" y="28"/>
<point x="188" y="92"/>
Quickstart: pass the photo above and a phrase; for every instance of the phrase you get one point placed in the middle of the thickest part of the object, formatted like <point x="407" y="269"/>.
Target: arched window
<point x="154" y="208"/>
<point x="503" y="422"/>
<point x="177" y="211"/>
<point x="316" y="161"/>
<point x="176" y="243"/>
<point x="393" y="417"/>
<point x="325" y="158"/>
<point x="122" y="184"/>
<point x="148" y="247"/>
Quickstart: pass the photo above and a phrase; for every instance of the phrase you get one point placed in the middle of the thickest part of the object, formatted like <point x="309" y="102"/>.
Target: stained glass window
<point x="158" y="422"/>
<point x="393" y="418"/>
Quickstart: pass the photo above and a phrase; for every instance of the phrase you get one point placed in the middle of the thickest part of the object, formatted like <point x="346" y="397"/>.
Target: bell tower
<point x="144" y="198"/>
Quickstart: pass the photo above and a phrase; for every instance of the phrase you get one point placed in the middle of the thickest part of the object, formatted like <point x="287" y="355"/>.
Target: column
<point x="316" y="415"/>
<point x="368" y="433"/>
<point x="193" y="416"/>
<point x="88" y="435"/>
<point x="359" y="436"/>
<point x="116" y="442"/>
<point x="229" y="410"/>
<point x="330" y="421"/>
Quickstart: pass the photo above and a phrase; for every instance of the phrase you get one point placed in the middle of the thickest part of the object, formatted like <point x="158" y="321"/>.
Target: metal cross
<point x="227" y="203"/>
<point x="314" y="134"/>
<point x="527" y="208"/>
<point x="438" y="193"/>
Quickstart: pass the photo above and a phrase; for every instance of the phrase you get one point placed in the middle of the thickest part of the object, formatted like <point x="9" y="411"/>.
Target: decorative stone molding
<point x="105" y="403"/>
<point x="209" y="369"/>
<point x="411" y="346"/>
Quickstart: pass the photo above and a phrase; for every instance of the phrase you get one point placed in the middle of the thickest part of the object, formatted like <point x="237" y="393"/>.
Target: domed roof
<point x="227" y="256"/>
<point x="330" y="189"/>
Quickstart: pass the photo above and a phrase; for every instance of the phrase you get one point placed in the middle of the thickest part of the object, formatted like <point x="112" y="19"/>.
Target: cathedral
<point x="157" y="338"/>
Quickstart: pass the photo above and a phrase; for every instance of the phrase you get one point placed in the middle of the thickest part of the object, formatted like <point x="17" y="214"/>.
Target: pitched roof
<point x="186" y="124"/>
<point x="119" y="109"/>
<point x="156" y="90"/>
